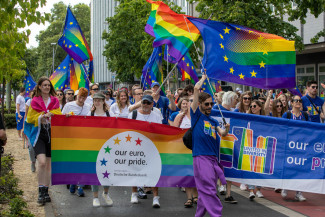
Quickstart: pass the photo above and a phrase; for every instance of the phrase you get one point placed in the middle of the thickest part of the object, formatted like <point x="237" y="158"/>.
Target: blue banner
<point x="273" y="152"/>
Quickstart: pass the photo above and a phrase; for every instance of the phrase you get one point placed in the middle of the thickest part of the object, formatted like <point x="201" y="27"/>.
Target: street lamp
<point x="53" y="44"/>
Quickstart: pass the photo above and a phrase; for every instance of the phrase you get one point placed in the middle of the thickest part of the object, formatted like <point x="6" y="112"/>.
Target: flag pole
<point x="167" y="69"/>
<point x="167" y="77"/>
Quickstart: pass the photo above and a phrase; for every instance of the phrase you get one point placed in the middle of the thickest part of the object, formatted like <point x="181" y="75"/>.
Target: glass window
<point x="310" y="69"/>
<point x="300" y="70"/>
<point x="321" y="79"/>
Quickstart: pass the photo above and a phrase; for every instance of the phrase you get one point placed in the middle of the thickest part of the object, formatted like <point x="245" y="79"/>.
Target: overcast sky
<point x="35" y="29"/>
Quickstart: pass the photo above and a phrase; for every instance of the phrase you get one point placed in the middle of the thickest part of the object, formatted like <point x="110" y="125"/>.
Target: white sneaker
<point x="96" y="202"/>
<point x="222" y="190"/>
<point x="155" y="202"/>
<point x="259" y="194"/>
<point x="284" y="193"/>
<point x="134" y="198"/>
<point x="251" y="195"/>
<point x="243" y="187"/>
<point x="108" y="200"/>
<point x="182" y="189"/>
<point x="299" y="196"/>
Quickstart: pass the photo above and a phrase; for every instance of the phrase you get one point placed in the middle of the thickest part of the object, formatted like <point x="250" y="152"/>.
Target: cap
<point x="98" y="96"/>
<point x="155" y="84"/>
<point x="148" y="98"/>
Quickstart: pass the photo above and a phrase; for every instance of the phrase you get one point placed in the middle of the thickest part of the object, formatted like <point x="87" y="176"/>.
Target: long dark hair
<point x="274" y="108"/>
<point x="39" y="83"/>
<point x="241" y="107"/>
<point x="105" y="107"/>
<point x="63" y="99"/>
<point x="262" y="111"/>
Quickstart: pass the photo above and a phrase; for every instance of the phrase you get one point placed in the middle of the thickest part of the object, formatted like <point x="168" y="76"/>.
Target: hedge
<point x="10" y="121"/>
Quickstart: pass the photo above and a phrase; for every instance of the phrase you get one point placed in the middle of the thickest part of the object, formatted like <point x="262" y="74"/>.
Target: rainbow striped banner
<point x="119" y="152"/>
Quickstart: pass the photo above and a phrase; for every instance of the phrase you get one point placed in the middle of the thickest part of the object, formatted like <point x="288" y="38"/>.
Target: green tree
<point x="128" y="46"/>
<point x="269" y="16"/>
<point x="54" y="32"/>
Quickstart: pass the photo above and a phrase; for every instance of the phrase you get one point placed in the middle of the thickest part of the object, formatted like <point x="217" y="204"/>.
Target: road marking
<point x="274" y="206"/>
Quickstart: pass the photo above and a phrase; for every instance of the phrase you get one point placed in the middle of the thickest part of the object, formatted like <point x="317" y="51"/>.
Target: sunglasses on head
<point x="247" y="98"/>
<point x="208" y="104"/>
<point x="146" y="102"/>
<point x="297" y="100"/>
<point x="253" y="106"/>
<point x="279" y="106"/>
<point x="314" y="87"/>
<point x="59" y="94"/>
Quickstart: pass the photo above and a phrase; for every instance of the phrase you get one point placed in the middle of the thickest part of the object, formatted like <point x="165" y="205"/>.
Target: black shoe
<point x="41" y="198"/>
<point x="231" y="200"/>
<point x="141" y="194"/>
<point x="46" y="195"/>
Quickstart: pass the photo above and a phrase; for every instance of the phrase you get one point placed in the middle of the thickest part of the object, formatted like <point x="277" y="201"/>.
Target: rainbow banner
<point x="171" y="28"/>
<point x="246" y="56"/>
<point x="119" y="152"/>
<point x="273" y="152"/>
<point x="73" y="40"/>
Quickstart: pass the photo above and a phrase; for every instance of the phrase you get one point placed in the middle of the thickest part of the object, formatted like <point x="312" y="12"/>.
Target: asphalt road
<point x="171" y="201"/>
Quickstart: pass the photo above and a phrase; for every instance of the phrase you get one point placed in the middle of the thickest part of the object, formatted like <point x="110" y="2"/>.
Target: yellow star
<point x="64" y="42"/>
<point x="187" y="64"/>
<point x="232" y="70"/>
<point x="76" y="45"/>
<point x="64" y="67"/>
<point x="265" y="52"/>
<point x="159" y="54"/>
<point x="183" y="58"/>
<point x="241" y="76"/>
<point x="71" y="23"/>
<point x="238" y="28"/>
<point x="226" y="30"/>
<point x="66" y="45"/>
<point x="262" y="64"/>
<point x="128" y="138"/>
<point x="192" y="67"/>
<point x="70" y="46"/>
<point x="66" y="85"/>
<point x="225" y="58"/>
<point x="221" y="46"/>
<point x="116" y="141"/>
<point x="59" y="68"/>
<point x="221" y="36"/>
<point x="253" y="74"/>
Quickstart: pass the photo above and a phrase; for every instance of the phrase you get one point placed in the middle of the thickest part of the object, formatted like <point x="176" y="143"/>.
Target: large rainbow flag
<point x="119" y="152"/>
<point x="73" y="40"/>
<point x="246" y="56"/>
<point x="171" y="28"/>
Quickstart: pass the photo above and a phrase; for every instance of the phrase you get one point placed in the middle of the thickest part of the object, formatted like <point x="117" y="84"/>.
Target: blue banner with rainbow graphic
<point x="273" y="152"/>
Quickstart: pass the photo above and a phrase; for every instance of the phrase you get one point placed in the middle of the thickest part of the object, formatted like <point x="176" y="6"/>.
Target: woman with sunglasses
<point x="277" y="109"/>
<point x="256" y="108"/>
<point x="244" y="102"/>
<point x="61" y="97"/>
<point x="120" y="107"/>
<point x="109" y="100"/>
<point x="296" y="114"/>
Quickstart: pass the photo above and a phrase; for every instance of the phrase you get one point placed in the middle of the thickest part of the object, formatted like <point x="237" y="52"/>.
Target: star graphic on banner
<point x="128" y="138"/>
<point x="221" y="46"/>
<point x="253" y="74"/>
<point x="108" y="149"/>
<point x="226" y="30"/>
<point x="103" y="162"/>
<point x="106" y="174"/>
<point x="232" y="70"/>
<point x="241" y="76"/>
<point x="138" y="141"/>
<point x="221" y="36"/>
<point x="262" y="64"/>
<point x="225" y="58"/>
<point x="116" y="141"/>
<point x="265" y="52"/>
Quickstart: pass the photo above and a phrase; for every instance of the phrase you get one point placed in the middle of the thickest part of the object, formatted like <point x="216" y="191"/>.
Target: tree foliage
<point x="54" y="32"/>
<point x="269" y="16"/>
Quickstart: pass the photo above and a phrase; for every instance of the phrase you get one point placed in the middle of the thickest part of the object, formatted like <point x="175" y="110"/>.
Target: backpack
<point x="303" y="112"/>
<point x="134" y="114"/>
<point x="187" y="138"/>
<point x="93" y="113"/>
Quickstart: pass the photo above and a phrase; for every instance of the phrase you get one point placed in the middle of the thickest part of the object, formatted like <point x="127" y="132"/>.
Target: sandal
<point x="188" y="203"/>
<point x="195" y="199"/>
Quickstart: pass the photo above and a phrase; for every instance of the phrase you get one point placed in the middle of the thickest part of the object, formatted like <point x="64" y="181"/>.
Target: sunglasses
<point x="279" y="106"/>
<point x="59" y="94"/>
<point x="314" y="87"/>
<point x="95" y="89"/>
<point x="69" y="94"/>
<point x="146" y="102"/>
<point x="253" y="106"/>
<point x="297" y="100"/>
<point x="247" y="98"/>
<point x="208" y="104"/>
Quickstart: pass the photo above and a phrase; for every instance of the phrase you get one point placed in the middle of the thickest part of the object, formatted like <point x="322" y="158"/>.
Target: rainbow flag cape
<point x="29" y="83"/>
<point x="36" y="110"/>
<point x="119" y="152"/>
<point x="171" y="28"/>
<point x="246" y="56"/>
<point x="73" y="40"/>
<point x="60" y="78"/>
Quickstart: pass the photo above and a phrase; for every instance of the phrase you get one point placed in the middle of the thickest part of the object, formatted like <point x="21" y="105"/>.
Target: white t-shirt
<point x="89" y="100"/>
<point x="186" y="123"/>
<point x="109" y="102"/>
<point x="103" y="115"/>
<point x="153" y="117"/>
<point x="114" y="111"/>
<point x="158" y="112"/>
<point x="28" y="102"/>
<point x="77" y="110"/>
<point x="21" y="101"/>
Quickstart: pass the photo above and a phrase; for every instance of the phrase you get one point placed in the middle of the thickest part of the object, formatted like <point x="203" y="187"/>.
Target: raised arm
<point x="172" y="105"/>
<point x="196" y="93"/>
<point x="134" y="106"/>
<point x="267" y="103"/>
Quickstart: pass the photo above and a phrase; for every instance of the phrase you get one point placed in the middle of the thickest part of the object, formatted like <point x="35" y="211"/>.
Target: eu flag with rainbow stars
<point x="246" y="56"/>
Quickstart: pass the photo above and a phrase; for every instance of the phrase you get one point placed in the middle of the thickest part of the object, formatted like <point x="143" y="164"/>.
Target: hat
<point x="155" y="84"/>
<point x="98" y="96"/>
<point x="148" y="98"/>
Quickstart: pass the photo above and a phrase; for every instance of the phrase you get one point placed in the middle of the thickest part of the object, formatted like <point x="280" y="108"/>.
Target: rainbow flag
<point x="171" y="28"/>
<point x="60" y="78"/>
<point x="264" y="162"/>
<point x="119" y="152"/>
<point x="246" y="56"/>
<point x="73" y="40"/>
<point x="226" y="150"/>
<point x="78" y="75"/>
